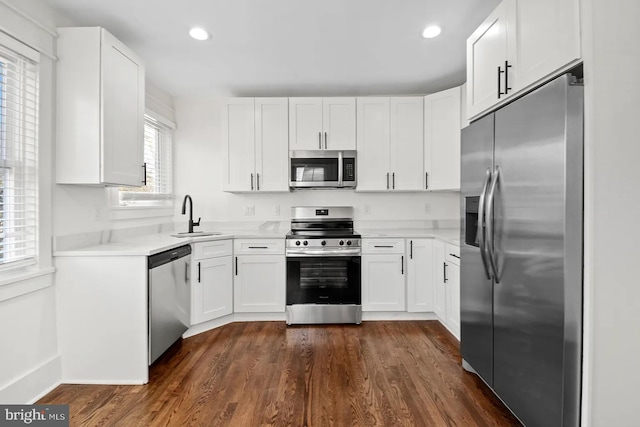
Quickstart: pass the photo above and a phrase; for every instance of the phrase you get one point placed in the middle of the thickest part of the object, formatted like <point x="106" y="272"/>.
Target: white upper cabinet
<point x="521" y="44"/>
<point x="255" y="144"/>
<point x="491" y="59"/>
<point x="272" y="144"/>
<point x="99" y="110"/>
<point x="442" y="140"/>
<point x="548" y="38"/>
<point x="322" y="123"/>
<point x="407" y="145"/>
<point x="373" y="143"/>
<point x="390" y="143"/>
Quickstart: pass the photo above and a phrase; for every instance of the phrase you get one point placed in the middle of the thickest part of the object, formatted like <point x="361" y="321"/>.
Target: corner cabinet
<point x="255" y="145"/>
<point x="442" y="140"/>
<point x="521" y="44"/>
<point x="211" y="280"/>
<point x="259" y="281"/>
<point x="322" y="123"/>
<point x="390" y="144"/>
<point x="99" y="110"/>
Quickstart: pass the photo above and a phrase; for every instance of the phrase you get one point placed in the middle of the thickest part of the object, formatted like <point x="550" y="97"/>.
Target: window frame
<point x="134" y="211"/>
<point x="21" y="141"/>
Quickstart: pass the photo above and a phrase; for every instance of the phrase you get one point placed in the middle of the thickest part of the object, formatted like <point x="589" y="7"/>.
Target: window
<point x="18" y="154"/>
<point x="157" y="192"/>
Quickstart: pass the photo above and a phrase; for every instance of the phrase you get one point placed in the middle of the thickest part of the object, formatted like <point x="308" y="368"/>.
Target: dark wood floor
<point x="265" y="373"/>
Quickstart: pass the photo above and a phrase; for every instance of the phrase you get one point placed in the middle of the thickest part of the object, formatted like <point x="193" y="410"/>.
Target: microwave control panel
<point x="349" y="172"/>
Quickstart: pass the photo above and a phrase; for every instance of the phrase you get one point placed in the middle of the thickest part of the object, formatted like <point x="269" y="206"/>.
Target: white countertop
<point x="151" y="244"/>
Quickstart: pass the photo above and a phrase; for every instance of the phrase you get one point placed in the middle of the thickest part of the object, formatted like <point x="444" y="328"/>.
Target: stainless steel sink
<point x="197" y="234"/>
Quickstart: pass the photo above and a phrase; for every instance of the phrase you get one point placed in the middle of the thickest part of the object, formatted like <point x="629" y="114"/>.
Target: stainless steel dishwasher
<point x="169" y="298"/>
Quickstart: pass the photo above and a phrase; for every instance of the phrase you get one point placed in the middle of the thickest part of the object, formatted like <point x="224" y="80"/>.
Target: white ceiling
<point x="291" y="47"/>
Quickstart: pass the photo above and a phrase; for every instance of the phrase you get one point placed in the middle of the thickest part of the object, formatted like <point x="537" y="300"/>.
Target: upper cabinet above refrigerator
<point x="322" y="123"/>
<point x="521" y="44"/>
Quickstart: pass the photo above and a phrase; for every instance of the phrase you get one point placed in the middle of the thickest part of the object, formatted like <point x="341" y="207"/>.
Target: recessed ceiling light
<point x="431" y="31"/>
<point x="199" y="33"/>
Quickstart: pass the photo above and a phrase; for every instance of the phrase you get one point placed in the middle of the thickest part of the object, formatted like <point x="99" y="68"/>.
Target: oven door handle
<point x="320" y="252"/>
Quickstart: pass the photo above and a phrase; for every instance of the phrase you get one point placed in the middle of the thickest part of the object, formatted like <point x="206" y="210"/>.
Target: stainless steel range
<point x="323" y="266"/>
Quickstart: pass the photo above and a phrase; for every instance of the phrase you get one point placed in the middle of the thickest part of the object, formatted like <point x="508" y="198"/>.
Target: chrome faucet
<point x="184" y="210"/>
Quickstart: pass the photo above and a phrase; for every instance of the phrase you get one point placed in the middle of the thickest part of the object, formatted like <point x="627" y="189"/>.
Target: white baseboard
<point x="34" y="384"/>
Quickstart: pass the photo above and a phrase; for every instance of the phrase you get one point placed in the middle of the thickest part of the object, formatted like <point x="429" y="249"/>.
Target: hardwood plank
<point x="265" y="373"/>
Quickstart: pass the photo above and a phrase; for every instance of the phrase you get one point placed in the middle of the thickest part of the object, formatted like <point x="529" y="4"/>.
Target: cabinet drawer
<point x="453" y="254"/>
<point x="258" y="246"/>
<point x="214" y="248"/>
<point x="383" y="246"/>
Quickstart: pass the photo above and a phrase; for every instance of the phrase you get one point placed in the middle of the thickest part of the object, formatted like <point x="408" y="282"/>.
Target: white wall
<point x="611" y="36"/>
<point x="198" y="172"/>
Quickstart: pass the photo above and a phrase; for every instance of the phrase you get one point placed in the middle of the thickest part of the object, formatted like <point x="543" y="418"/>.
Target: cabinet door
<point x="238" y="142"/>
<point x="272" y="144"/>
<point x="339" y="123"/>
<point x="373" y="144"/>
<point x="383" y="287"/>
<point x="407" y="143"/>
<point x="488" y="48"/>
<point x="453" y="298"/>
<point x="442" y="140"/>
<point x="259" y="284"/>
<point x="305" y="124"/>
<point x="211" y="289"/>
<point x="122" y="114"/>
<point x="440" y="294"/>
<point x="420" y="279"/>
<point x="548" y="38"/>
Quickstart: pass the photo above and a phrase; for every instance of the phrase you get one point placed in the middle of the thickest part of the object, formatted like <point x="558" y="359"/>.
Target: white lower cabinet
<point x="211" y="281"/>
<point x="447" y="285"/>
<point x="420" y="278"/>
<point x="383" y="275"/>
<point x="259" y="281"/>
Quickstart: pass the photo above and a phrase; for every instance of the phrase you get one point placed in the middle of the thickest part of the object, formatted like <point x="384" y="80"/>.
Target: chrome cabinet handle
<point x="481" y="224"/>
<point x="198" y="272"/>
<point x="393" y="180"/>
<point x="320" y="140"/>
<point x="411" y="249"/>
<point x="455" y="256"/>
<point x="426" y="180"/>
<point x="325" y="140"/>
<point x="499" y="82"/>
<point x="236" y="266"/>
<point x="258" y="247"/>
<point x="382" y="246"/>
<point x="506" y="77"/>
<point x="251" y="182"/>
<point x="144" y="173"/>
<point x="444" y="271"/>
<point x="490" y="232"/>
<point x="258" y="181"/>
<point x="402" y="264"/>
<point x="387" y="180"/>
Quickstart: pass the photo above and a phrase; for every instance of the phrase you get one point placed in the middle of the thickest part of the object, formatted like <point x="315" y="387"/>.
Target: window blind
<point x="157" y="157"/>
<point x="18" y="154"/>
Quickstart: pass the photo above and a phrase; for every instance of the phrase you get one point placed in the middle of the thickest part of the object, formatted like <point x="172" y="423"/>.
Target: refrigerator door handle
<point x="490" y="231"/>
<point x="482" y="243"/>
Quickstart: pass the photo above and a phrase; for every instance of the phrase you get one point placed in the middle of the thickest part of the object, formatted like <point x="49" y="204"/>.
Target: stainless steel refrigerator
<point x="521" y="255"/>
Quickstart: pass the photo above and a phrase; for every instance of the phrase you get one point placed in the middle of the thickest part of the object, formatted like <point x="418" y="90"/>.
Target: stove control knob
<point x="305" y="243"/>
<point x="341" y="242"/>
<point x="297" y="242"/>
<point x="324" y="242"/>
<point x="348" y="242"/>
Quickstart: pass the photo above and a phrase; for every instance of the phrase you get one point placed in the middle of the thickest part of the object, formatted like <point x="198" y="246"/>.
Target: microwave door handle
<point x="340" y="169"/>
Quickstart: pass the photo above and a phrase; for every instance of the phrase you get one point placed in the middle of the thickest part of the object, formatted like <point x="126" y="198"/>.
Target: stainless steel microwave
<point x="322" y="169"/>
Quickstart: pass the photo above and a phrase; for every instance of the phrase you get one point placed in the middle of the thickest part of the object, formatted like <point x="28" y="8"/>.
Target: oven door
<point x="323" y="280"/>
